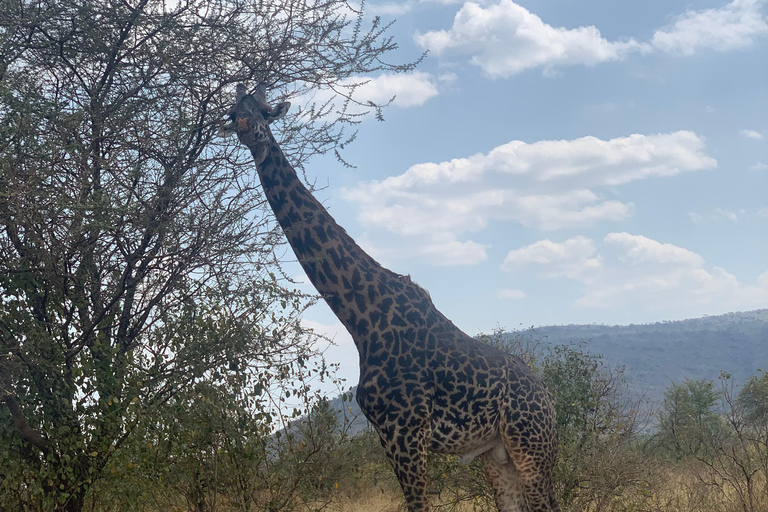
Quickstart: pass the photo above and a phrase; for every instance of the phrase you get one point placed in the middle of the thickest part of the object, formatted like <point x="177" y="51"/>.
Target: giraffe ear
<point x="240" y="92"/>
<point x="278" y="111"/>
<point x="261" y="91"/>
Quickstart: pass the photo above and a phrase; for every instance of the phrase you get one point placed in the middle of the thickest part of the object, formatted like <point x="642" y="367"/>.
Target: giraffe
<point x="424" y="384"/>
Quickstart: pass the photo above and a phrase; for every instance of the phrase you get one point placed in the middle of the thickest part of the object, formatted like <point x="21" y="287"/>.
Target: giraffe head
<point x="250" y="118"/>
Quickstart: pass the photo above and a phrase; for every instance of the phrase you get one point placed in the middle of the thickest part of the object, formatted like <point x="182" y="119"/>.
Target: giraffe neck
<point x="337" y="267"/>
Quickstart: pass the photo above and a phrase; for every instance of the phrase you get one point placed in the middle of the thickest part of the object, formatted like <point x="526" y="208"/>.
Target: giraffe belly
<point x="452" y="437"/>
<point x="495" y="447"/>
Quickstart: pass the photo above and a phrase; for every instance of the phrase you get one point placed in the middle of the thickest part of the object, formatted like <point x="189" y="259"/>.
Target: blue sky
<point x="565" y="162"/>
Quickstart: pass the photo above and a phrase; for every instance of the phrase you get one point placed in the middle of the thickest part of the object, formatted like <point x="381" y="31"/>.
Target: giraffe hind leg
<point x="532" y="451"/>
<point x="507" y="486"/>
<point x="539" y="496"/>
<point x="535" y="480"/>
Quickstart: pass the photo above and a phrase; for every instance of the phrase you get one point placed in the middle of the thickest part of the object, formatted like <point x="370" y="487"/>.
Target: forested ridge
<point x="657" y="354"/>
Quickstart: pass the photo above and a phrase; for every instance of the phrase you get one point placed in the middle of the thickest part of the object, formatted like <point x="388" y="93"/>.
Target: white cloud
<point x="763" y="212"/>
<point x="752" y="134"/>
<point x="546" y="185"/>
<point x="388" y="8"/>
<point x="583" y="162"/>
<point x="727" y="214"/>
<point x="735" y="25"/>
<point x="719" y="214"/>
<point x="572" y="258"/>
<point x="506" y="38"/>
<point x="638" y="250"/>
<point x="442" y="2"/>
<point x="759" y="166"/>
<point x="633" y="271"/>
<point x="509" y="294"/>
<point x="409" y="90"/>
<point x="446" y="250"/>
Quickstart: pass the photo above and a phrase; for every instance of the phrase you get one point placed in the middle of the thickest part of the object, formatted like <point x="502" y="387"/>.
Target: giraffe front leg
<point x="407" y="452"/>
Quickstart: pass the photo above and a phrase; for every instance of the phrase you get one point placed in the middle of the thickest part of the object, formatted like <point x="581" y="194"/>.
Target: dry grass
<point x="377" y="500"/>
<point x="677" y="490"/>
<point x="381" y="499"/>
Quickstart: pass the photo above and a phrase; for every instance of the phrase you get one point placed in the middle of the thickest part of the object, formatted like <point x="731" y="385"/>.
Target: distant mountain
<point x="655" y="355"/>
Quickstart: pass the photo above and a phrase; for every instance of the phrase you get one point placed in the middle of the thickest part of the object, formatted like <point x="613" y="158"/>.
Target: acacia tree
<point x="735" y="463"/>
<point x="136" y="257"/>
<point x="689" y="422"/>
<point x="753" y="400"/>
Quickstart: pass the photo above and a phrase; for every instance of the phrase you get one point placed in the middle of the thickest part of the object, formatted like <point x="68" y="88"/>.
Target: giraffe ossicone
<point x="424" y="384"/>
